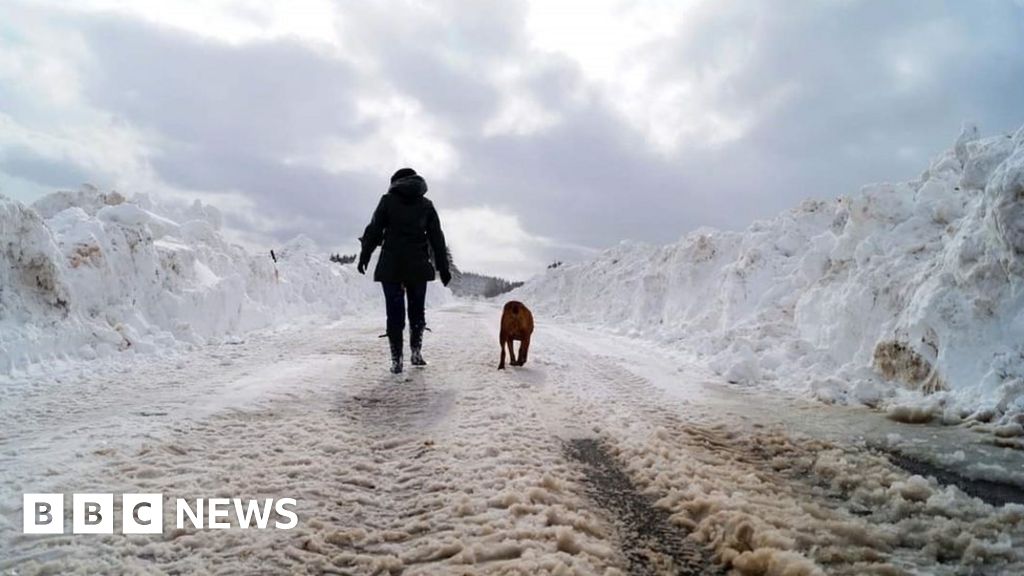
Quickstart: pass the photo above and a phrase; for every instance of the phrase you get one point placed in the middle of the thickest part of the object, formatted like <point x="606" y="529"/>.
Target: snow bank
<point x="901" y="296"/>
<point x="86" y="274"/>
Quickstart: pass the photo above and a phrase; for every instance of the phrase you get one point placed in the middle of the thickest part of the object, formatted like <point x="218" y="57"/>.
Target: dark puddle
<point x="989" y="491"/>
<point x="650" y="542"/>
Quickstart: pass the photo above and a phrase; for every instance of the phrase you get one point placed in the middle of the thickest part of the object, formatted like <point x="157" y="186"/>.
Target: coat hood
<point x="409" y="187"/>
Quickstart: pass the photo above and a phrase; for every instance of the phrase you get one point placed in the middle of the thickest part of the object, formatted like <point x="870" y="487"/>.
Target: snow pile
<point x="86" y="274"/>
<point x="903" y="296"/>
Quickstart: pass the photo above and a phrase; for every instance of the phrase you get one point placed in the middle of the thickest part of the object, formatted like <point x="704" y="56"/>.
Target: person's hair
<point x="403" y="173"/>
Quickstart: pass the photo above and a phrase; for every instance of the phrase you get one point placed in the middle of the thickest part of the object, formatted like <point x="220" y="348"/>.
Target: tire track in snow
<point x="651" y="544"/>
<point x="991" y="492"/>
<point x="768" y="502"/>
<point x="648" y="541"/>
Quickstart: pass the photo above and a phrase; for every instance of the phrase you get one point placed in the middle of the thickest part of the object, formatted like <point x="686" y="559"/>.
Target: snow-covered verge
<point x="88" y="274"/>
<point x="904" y="296"/>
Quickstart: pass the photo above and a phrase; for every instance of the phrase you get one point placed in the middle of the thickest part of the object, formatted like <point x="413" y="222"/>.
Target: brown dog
<point x="516" y="324"/>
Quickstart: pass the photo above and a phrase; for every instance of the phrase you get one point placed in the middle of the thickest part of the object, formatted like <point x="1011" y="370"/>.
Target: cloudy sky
<point x="546" y="129"/>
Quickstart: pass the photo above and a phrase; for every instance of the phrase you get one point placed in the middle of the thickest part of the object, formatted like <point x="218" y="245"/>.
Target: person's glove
<point x="361" y="267"/>
<point x="446" y="277"/>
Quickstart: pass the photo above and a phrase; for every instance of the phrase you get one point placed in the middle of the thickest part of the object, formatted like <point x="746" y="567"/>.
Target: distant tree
<point x="554" y="264"/>
<point x="452" y="267"/>
<point x="499" y="286"/>
<point x="477" y="285"/>
<point x="346" y="259"/>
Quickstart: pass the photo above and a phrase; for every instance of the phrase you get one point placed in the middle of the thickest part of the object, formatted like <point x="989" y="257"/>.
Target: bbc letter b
<point x="92" y="513"/>
<point x="43" y="513"/>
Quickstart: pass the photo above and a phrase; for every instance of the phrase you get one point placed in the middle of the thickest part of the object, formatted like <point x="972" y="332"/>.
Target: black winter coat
<point x="405" y="224"/>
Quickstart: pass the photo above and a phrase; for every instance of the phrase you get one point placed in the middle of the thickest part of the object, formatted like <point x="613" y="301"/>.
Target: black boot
<point x="396" y="352"/>
<point x="416" y="345"/>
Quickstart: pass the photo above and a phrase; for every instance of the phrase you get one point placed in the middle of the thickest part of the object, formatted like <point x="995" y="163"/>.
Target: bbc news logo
<point x="144" y="513"/>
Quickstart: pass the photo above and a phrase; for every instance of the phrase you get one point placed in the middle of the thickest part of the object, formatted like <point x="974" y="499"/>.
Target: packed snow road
<point x="585" y="461"/>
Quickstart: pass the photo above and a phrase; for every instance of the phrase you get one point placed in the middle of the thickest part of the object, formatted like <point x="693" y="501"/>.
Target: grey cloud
<point x="230" y="115"/>
<point x="335" y="206"/>
<point x="593" y="180"/>
<point x="53" y="172"/>
<point x="587" y="181"/>
<point x="263" y="98"/>
<point x="851" y="114"/>
<point x="441" y="61"/>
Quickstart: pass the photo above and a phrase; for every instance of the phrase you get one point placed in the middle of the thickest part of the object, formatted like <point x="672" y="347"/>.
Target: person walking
<point x="406" y="227"/>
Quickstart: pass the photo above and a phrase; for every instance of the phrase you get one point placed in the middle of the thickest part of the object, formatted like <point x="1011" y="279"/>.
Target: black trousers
<point x="395" y="295"/>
